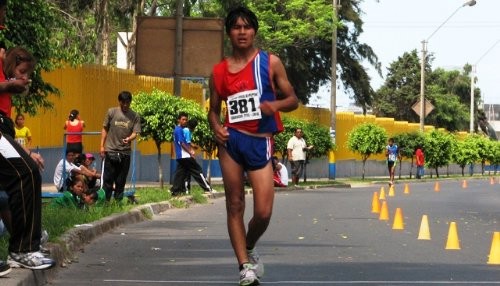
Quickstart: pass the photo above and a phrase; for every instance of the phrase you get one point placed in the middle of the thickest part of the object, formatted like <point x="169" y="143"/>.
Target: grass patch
<point x="59" y="220"/>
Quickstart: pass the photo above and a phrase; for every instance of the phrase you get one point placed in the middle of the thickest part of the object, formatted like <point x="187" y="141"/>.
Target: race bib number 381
<point x="244" y="106"/>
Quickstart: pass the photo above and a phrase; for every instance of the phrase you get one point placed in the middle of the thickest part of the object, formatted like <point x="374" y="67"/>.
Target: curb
<point x="74" y="240"/>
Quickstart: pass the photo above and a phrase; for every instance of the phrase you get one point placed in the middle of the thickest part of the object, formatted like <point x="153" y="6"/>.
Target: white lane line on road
<point x="378" y="282"/>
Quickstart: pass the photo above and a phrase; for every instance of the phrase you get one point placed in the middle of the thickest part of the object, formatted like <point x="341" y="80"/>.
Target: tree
<point x="38" y="27"/>
<point x="314" y="134"/>
<point x="446" y="92"/>
<point x="400" y="90"/>
<point x="464" y="152"/>
<point x="300" y="32"/>
<point x="407" y="144"/>
<point x="367" y="139"/>
<point x="494" y="155"/>
<point x="438" y="148"/>
<point x="484" y="149"/>
<point x="159" y="111"/>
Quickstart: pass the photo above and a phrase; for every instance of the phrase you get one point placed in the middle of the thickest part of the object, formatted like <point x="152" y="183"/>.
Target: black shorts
<point x="390" y="164"/>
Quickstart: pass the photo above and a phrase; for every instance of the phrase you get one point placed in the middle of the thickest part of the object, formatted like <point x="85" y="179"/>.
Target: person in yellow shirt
<point x="23" y="133"/>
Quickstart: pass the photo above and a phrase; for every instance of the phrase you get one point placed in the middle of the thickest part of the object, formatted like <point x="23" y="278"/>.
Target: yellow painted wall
<point x="92" y="89"/>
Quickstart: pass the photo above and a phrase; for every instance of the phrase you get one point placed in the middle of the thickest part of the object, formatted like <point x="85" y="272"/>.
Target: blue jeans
<point x="420" y="172"/>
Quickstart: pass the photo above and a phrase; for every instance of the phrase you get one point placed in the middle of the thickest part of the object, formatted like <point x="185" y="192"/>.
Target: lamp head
<point x="469" y="3"/>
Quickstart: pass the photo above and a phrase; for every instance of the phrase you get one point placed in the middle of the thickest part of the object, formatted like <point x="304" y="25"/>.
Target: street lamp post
<point x="333" y="88"/>
<point x="422" y="63"/>
<point x="472" y="82"/>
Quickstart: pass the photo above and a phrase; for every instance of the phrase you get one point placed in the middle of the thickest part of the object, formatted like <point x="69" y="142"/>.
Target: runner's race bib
<point x="392" y="157"/>
<point x="244" y="106"/>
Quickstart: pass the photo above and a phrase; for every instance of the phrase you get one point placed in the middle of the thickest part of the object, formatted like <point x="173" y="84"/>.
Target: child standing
<point x="23" y="133"/>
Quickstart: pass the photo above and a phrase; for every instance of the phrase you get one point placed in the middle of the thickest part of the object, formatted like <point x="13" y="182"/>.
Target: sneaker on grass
<point x="248" y="276"/>
<point x="30" y="260"/>
<point x="4" y="268"/>
<point x="254" y="258"/>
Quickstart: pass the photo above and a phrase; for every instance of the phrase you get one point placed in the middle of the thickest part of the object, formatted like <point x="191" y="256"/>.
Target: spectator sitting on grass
<point x="71" y="198"/>
<point x="94" y="196"/>
<point x="70" y="170"/>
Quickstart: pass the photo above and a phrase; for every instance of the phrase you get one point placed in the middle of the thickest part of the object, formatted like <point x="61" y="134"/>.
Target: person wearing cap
<point x="70" y="169"/>
<point x="89" y="164"/>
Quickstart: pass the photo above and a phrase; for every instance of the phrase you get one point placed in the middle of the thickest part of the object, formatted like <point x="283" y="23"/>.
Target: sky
<point x="393" y="27"/>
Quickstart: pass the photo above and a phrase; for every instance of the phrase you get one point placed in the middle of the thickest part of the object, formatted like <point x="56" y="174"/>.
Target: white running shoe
<point x="248" y="276"/>
<point x="4" y="268"/>
<point x="30" y="260"/>
<point x="254" y="258"/>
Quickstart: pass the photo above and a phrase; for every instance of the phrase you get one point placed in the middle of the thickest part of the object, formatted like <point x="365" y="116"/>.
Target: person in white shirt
<point x="280" y="176"/>
<point x="71" y="169"/>
<point x="297" y="148"/>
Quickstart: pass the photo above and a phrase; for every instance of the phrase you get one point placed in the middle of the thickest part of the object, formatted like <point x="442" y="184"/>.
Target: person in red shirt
<point x="74" y="125"/>
<point x="419" y="155"/>
<point x="247" y="82"/>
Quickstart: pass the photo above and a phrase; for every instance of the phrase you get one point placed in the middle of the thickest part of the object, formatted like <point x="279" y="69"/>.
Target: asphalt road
<point x="316" y="237"/>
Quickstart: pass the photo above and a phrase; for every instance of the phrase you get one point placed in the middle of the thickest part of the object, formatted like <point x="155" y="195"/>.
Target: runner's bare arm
<point x="221" y="134"/>
<point x="288" y="100"/>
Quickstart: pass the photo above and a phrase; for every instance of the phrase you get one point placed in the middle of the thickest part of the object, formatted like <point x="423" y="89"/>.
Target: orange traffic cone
<point x="424" y="232"/>
<point x="391" y="191"/>
<point x="492" y="181"/>
<point x="398" y="220"/>
<point x="384" y="212"/>
<point x="464" y="184"/>
<point x="382" y="193"/>
<point x="436" y="187"/>
<point x="375" y="203"/>
<point x="452" y="242"/>
<point x="407" y="189"/>
<point x="494" y="257"/>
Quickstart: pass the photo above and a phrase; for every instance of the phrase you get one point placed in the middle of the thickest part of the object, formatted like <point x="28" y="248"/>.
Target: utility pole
<point x="333" y="88"/>
<point x="178" y="48"/>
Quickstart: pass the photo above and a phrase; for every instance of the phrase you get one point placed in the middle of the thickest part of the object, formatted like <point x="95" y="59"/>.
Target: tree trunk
<point x="437" y="172"/>
<point x="363" y="173"/>
<point x="209" y="173"/>
<point x="400" y="168"/>
<point x="102" y="30"/>
<point x="463" y="171"/>
<point x="411" y="167"/>
<point x="160" y="169"/>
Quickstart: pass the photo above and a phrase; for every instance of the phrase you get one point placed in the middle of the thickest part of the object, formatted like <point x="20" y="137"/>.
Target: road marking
<point x="378" y="282"/>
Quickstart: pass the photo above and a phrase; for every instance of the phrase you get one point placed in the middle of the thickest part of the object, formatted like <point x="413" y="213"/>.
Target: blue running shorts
<point x="251" y="152"/>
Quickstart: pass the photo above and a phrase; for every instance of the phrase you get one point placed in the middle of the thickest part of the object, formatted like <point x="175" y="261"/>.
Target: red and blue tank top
<point x="243" y="92"/>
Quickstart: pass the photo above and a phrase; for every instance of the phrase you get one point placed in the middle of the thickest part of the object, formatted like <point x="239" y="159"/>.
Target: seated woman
<point x="71" y="198"/>
<point x="94" y="196"/>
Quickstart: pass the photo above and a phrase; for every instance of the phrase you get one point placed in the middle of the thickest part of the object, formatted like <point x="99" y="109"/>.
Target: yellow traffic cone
<point x="436" y="187"/>
<point x="384" y="212"/>
<point x="382" y="193"/>
<point x="391" y="191"/>
<point x="398" y="220"/>
<point x="494" y="257"/>
<point x="407" y="189"/>
<point x="424" y="232"/>
<point x="452" y="242"/>
<point x="375" y="203"/>
<point x="464" y="184"/>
